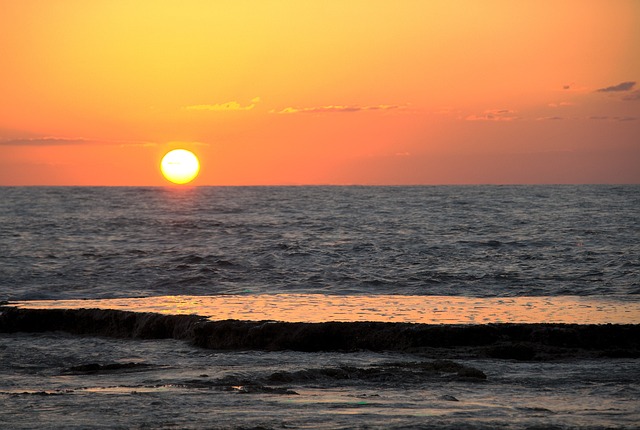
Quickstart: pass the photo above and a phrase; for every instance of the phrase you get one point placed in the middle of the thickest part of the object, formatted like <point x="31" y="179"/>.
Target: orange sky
<point x="327" y="92"/>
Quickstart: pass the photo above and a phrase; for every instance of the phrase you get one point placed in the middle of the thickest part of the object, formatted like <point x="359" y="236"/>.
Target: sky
<point x="320" y="92"/>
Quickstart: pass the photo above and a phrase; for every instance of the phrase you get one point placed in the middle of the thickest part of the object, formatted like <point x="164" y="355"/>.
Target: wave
<point x="391" y="373"/>
<point x="504" y="341"/>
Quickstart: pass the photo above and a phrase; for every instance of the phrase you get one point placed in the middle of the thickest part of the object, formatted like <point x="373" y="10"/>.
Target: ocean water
<point x="342" y="250"/>
<point x="60" y="381"/>
<point x="475" y="241"/>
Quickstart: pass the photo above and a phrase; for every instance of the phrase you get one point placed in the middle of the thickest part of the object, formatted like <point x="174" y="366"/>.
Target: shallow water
<point x="173" y="385"/>
<point x="315" y="308"/>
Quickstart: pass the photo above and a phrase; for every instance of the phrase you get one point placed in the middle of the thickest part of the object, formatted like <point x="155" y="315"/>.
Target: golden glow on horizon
<point x="180" y="166"/>
<point x="331" y="92"/>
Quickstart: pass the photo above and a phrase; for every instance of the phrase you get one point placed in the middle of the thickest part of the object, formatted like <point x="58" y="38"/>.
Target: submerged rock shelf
<point x="504" y="340"/>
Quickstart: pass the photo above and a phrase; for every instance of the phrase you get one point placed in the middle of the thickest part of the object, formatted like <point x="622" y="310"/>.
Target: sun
<point x="180" y="166"/>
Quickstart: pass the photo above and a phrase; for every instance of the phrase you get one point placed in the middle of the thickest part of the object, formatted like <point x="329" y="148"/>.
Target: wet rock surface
<point x="93" y="368"/>
<point x="504" y="341"/>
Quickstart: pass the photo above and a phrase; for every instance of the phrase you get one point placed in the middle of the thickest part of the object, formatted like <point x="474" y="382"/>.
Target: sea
<point x="314" y="248"/>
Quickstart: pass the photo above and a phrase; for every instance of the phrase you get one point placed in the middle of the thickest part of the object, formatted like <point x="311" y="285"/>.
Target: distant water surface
<point x="475" y="241"/>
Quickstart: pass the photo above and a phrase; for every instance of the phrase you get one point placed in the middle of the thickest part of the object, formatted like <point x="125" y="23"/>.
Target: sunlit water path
<point x="313" y="308"/>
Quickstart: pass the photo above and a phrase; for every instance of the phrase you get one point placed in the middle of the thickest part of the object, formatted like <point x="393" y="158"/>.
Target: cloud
<point x="551" y="118"/>
<point x="623" y="86"/>
<point x="633" y="96"/>
<point x="335" y="109"/>
<point x="574" y="87"/>
<point x="228" y="106"/>
<point x="613" y="118"/>
<point x="61" y="141"/>
<point x="561" y="104"/>
<point x="43" y="141"/>
<point x="494" y="115"/>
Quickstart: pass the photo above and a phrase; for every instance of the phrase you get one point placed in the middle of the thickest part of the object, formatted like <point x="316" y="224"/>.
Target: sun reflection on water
<point x="315" y="308"/>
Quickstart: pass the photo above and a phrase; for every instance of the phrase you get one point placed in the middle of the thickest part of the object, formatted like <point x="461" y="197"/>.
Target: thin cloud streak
<point x="494" y="115"/>
<point x="613" y="118"/>
<point x="561" y="104"/>
<point x="634" y="96"/>
<point x="623" y="86"/>
<point x="551" y="118"/>
<point x="335" y="109"/>
<point x="45" y="141"/>
<point x="224" y="107"/>
<point x="61" y="141"/>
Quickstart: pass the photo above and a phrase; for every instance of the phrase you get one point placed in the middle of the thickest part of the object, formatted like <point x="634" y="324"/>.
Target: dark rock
<point x="471" y="373"/>
<point x="112" y="367"/>
<point x="448" y="398"/>
<point x="517" y="351"/>
<point x="510" y="341"/>
<point x="260" y="389"/>
<point x="621" y="353"/>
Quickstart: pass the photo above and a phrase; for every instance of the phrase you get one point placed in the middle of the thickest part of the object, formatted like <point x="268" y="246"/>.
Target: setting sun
<point x="180" y="166"/>
<point x="366" y="92"/>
